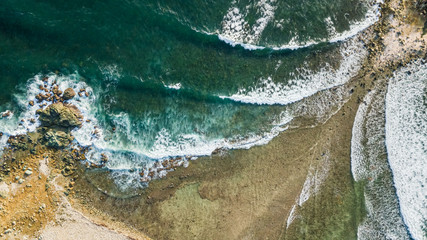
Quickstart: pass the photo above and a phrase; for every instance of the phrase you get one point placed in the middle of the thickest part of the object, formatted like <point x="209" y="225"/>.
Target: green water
<point x="162" y="76"/>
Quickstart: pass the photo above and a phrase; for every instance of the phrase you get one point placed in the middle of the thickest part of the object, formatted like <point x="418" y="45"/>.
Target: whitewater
<point x="406" y="139"/>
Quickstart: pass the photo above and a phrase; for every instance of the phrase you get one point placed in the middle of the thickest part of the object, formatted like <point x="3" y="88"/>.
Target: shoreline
<point x="244" y="193"/>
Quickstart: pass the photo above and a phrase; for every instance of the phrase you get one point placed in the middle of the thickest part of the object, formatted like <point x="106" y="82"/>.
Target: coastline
<point x="240" y="194"/>
<point x="254" y="193"/>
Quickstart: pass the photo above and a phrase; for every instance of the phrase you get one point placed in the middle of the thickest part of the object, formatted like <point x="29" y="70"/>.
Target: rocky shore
<point x="44" y="185"/>
<point x="39" y="169"/>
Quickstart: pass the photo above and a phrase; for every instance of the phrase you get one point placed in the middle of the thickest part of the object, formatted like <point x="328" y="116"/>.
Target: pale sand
<point x="71" y="224"/>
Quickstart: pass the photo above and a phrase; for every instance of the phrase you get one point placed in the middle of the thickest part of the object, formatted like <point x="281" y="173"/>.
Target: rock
<point x="7" y="114"/>
<point x="28" y="172"/>
<point x="21" y="181"/>
<point x="421" y="6"/>
<point x="57" y="139"/>
<point x="8" y="231"/>
<point x="69" y="94"/>
<point x="62" y="115"/>
<point x="56" y="98"/>
<point x="31" y="103"/>
<point x="104" y="158"/>
<point x="41" y="97"/>
<point x="56" y="91"/>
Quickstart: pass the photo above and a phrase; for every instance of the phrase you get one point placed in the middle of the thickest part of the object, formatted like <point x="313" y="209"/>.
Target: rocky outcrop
<point x="69" y="94"/>
<point x="57" y="139"/>
<point x="421" y="6"/>
<point x="19" y="142"/>
<point x="61" y="115"/>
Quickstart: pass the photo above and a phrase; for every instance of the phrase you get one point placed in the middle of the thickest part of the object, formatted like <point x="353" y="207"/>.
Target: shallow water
<point x="371" y="169"/>
<point x="176" y="79"/>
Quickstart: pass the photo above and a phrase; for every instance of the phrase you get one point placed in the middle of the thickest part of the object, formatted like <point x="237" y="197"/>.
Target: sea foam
<point x="406" y="139"/>
<point x="236" y="29"/>
<point x="369" y="166"/>
<point x="125" y="148"/>
<point x="237" y="32"/>
<point x="268" y="91"/>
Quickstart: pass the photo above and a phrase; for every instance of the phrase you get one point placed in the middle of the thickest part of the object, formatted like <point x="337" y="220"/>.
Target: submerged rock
<point x="62" y="115"/>
<point x="6" y="114"/>
<point x="69" y="94"/>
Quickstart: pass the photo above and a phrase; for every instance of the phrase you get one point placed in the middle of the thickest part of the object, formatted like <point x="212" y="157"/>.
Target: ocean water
<point x="177" y="79"/>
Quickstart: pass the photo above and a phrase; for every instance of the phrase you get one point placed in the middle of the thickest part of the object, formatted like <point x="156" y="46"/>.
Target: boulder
<point x="69" y="94"/>
<point x="56" y="91"/>
<point x="41" y="97"/>
<point x="6" y="114"/>
<point x="57" y="139"/>
<point x="421" y="6"/>
<point x="62" y="115"/>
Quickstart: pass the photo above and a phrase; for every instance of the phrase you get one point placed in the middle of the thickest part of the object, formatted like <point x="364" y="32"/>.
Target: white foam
<point x="291" y="216"/>
<point x="175" y="86"/>
<point x="357" y="150"/>
<point x="129" y="153"/>
<point x="236" y="29"/>
<point x="124" y="151"/>
<point x="22" y="123"/>
<point x="267" y="91"/>
<point x="406" y="139"/>
<point x="315" y="177"/>
<point x="369" y="165"/>
<point x="164" y="147"/>
<point x="237" y="32"/>
<point x="371" y="16"/>
<point x="330" y="26"/>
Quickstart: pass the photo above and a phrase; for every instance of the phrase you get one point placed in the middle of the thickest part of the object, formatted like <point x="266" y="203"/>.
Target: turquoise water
<point x="177" y="78"/>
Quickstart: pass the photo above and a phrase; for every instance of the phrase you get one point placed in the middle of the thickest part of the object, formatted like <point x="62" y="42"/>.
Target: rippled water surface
<point x="176" y="79"/>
